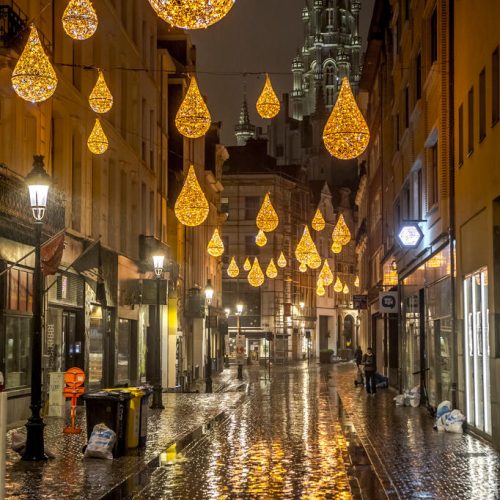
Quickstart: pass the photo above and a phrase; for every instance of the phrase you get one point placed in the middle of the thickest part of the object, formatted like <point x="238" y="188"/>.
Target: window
<point x="461" y="135"/>
<point x="329" y="75"/>
<point x="407" y="106"/>
<point x="407" y="202"/>
<point x="434" y="36"/>
<point x="419" y="194"/>
<point x="17" y="351"/>
<point x="123" y="351"/>
<point x="251" y="207"/>
<point x="251" y="247"/>
<point x="482" y="105"/>
<point x="396" y="131"/>
<point x="418" y="77"/>
<point x="495" y="87"/>
<point x="470" y="146"/>
<point x="433" y="176"/>
<point x="407" y="10"/>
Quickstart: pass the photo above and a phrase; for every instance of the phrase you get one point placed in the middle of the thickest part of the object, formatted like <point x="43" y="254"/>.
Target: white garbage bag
<point x="101" y="443"/>
<point x="400" y="400"/>
<point x="441" y="422"/>
<point x="454" y="422"/>
<point x="414" y="397"/>
<point x="443" y="407"/>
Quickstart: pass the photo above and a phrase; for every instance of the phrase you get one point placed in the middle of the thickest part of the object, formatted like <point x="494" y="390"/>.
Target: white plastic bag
<point x="400" y="400"/>
<point x="101" y="443"/>
<point x="454" y="422"/>
<point x="443" y="407"/>
<point x="441" y="422"/>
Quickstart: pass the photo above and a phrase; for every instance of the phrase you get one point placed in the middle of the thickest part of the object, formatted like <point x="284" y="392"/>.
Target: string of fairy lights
<point x="345" y="135"/>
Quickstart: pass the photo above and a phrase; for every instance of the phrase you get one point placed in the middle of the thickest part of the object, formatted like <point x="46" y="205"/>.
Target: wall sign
<point x="388" y="302"/>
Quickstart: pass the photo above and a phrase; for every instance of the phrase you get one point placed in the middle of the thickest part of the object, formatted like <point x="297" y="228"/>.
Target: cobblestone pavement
<point x="69" y="476"/>
<point x="412" y="460"/>
<point x="283" y="442"/>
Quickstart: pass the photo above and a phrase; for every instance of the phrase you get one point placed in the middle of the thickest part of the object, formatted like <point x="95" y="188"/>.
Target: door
<point x="73" y="341"/>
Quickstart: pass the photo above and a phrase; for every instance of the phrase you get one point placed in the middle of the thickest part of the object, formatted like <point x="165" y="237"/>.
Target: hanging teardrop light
<point x="271" y="271"/>
<point x="318" y="223"/>
<point x="345" y="289"/>
<point x="247" y="265"/>
<point x="79" y="19"/>
<point x="346" y="133"/>
<point x="326" y="273"/>
<point x="268" y="104"/>
<point x="320" y="288"/>
<point x="34" y="78"/>
<point x="97" y="141"/>
<point x="336" y="247"/>
<point x="306" y="251"/>
<point x="100" y="99"/>
<point x="261" y="238"/>
<point x="191" y="207"/>
<point x="356" y="282"/>
<point x="256" y="276"/>
<point x="282" y="260"/>
<point x="303" y="267"/>
<point x="192" y="14"/>
<point x="233" y="270"/>
<point x="215" y="246"/>
<point x="193" y="118"/>
<point x="338" y="285"/>
<point x="267" y="218"/>
<point x="341" y="232"/>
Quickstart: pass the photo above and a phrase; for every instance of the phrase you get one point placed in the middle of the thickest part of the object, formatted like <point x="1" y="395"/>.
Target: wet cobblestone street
<point x="283" y="442"/>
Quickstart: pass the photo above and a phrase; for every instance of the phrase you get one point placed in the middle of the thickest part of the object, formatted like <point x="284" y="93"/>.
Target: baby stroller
<point x="359" y="377"/>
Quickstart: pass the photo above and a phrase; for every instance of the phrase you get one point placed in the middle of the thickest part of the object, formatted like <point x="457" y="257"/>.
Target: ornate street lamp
<point x="157" y="404"/>
<point x="209" y="295"/>
<point x="38" y="182"/>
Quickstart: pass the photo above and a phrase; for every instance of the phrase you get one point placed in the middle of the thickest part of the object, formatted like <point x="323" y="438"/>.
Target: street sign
<point x="388" y="302"/>
<point x="360" y="301"/>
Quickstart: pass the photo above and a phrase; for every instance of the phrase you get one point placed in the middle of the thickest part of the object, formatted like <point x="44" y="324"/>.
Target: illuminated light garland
<point x="261" y="238"/>
<point x="338" y="285"/>
<point x="320" y="288"/>
<point x="191" y="207"/>
<point x="306" y="251"/>
<point x="79" y="19"/>
<point x="233" y="270"/>
<point x="34" y="78"/>
<point x="303" y="267"/>
<point x="346" y="134"/>
<point x="341" y="233"/>
<point x="356" y="282"/>
<point x="100" y="99"/>
<point x="256" y="276"/>
<point x="97" y="141"/>
<point x="271" y="271"/>
<point x="267" y="218"/>
<point x="436" y="261"/>
<point x="318" y="223"/>
<point x="268" y="104"/>
<point x="336" y="247"/>
<point x="193" y="118"/>
<point x="282" y="260"/>
<point x="326" y="274"/>
<point x="215" y="246"/>
<point x="390" y="278"/>
<point x="192" y="14"/>
<point x="247" y="264"/>
<point x="345" y="289"/>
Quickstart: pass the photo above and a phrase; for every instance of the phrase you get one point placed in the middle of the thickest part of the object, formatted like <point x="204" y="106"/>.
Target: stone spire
<point x="244" y="130"/>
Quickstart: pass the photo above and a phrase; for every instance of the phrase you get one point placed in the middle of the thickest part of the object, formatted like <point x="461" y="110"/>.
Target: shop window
<point x="19" y="290"/>
<point x="17" y="351"/>
<point x="122" y="372"/>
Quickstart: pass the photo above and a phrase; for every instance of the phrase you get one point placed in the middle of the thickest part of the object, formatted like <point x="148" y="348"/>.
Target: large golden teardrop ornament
<point x="97" y="141"/>
<point x="326" y="273"/>
<point x="282" y="260"/>
<point x="193" y="118"/>
<point x="318" y="223"/>
<point x="233" y="270"/>
<point x="215" y="246"/>
<point x="247" y="264"/>
<point x="338" y="285"/>
<point x="256" y="276"/>
<point x="306" y="251"/>
<point x="100" y="99"/>
<point x="341" y="232"/>
<point x="79" y="19"/>
<point x="320" y="288"/>
<point x="267" y="218"/>
<point x="268" y="104"/>
<point x="271" y="271"/>
<point x="261" y="238"/>
<point x="191" y="207"/>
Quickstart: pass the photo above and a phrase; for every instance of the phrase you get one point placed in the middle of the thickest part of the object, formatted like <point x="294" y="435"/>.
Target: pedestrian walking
<point x="370" y="364"/>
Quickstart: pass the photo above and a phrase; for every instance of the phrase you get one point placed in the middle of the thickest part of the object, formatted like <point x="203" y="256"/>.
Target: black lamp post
<point x="209" y="295"/>
<point x="157" y="403"/>
<point x="38" y="182"/>
<point x="239" y="311"/>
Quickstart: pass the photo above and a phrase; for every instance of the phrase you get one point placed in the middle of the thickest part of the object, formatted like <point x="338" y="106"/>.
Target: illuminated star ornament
<point x="192" y="14"/>
<point x="193" y="118"/>
<point x="346" y="134"/>
<point x="267" y="218"/>
<point x="215" y="246"/>
<point x="191" y="207"/>
<point x="97" y="141"/>
<point x="34" y="78"/>
<point x="100" y="99"/>
<point x="268" y="104"/>
<point x="79" y="19"/>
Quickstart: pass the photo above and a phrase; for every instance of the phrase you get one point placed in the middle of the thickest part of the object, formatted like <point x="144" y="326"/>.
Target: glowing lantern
<point x="256" y="276"/>
<point x="193" y="118"/>
<point x="320" y="288"/>
<point x="233" y="270"/>
<point x="97" y="141"/>
<point x="303" y="267"/>
<point x="79" y="19"/>
<point x="326" y="274"/>
<point x="341" y="233"/>
<point x="268" y="104"/>
<point x="100" y="99"/>
<point x="282" y="260"/>
<point x="247" y="265"/>
<point x="336" y="247"/>
<point x="318" y="223"/>
<point x="390" y="277"/>
<point x="261" y="238"/>
<point x="271" y="271"/>
<point x="338" y="285"/>
<point x="346" y="289"/>
<point x="356" y="282"/>
<point x="192" y="14"/>
<point x="267" y="218"/>
<point x="191" y="207"/>
<point x="34" y="78"/>
<point x="215" y="246"/>
<point x="306" y="251"/>
<point x="346" y="133"/>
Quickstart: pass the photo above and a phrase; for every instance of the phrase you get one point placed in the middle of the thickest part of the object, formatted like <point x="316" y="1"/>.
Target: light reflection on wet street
<point x="283" y="442"/>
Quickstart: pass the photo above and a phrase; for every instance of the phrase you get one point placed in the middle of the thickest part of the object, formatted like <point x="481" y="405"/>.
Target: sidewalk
<point x="411" y="459"/>
<point x="69" y="476"/>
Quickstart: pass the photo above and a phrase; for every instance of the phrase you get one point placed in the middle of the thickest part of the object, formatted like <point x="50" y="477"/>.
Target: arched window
<point x="329" y="75"/>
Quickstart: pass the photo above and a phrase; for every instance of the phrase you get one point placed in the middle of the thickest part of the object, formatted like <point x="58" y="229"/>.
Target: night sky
<point x="256" y="36"/>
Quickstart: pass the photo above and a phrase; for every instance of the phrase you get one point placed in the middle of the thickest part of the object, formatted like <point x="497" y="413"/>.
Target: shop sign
<point x="388" y="302"/>
<point x="360" y="301"/>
